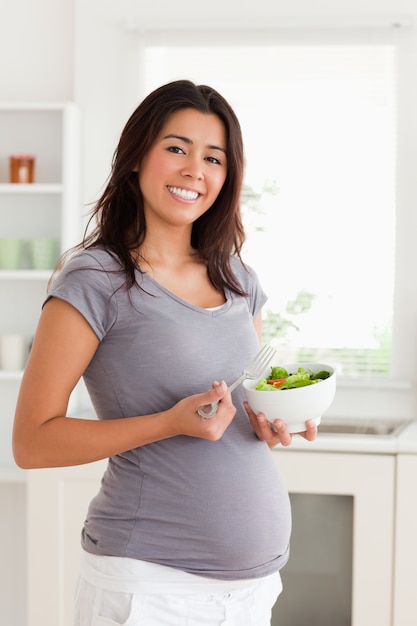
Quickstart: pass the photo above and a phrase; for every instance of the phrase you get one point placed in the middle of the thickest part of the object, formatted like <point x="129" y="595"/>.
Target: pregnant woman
<point x="158" y="313"/>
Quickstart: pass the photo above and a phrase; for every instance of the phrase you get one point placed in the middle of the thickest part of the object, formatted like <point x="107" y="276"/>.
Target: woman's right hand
<point x="187" y="421"/>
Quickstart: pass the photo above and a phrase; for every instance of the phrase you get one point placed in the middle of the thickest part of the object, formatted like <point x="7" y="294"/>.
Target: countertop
<point x="403" y="443"/>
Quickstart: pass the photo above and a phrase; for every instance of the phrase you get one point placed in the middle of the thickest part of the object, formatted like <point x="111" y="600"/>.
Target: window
<point x="319" y="200"/>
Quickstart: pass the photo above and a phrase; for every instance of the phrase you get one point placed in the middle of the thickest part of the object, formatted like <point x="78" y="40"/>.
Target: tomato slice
<point x="277" y="382"/>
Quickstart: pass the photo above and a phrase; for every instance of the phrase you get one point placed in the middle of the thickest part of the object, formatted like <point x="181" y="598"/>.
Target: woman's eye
<point x="176" y="150"/>
<point x="212" y="159"/>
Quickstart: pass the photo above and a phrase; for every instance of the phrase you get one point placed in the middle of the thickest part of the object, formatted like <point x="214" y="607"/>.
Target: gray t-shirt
<point x="217" y="509"/>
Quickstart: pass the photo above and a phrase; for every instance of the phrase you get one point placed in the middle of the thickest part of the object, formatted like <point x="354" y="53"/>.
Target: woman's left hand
<point x="280" y="435"/>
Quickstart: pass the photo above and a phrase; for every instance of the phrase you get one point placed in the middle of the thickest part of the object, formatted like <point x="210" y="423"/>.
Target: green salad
<point x="281" y="379"/>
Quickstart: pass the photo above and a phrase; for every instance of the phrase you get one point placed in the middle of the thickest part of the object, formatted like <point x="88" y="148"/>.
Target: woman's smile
<point x="184" y="194"/>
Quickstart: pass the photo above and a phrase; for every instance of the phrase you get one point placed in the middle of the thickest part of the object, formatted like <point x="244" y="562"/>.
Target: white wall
<point x="36" y="50"/>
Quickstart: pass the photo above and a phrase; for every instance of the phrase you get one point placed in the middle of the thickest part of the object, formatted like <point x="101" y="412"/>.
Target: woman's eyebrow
<point x="189" y="141"/>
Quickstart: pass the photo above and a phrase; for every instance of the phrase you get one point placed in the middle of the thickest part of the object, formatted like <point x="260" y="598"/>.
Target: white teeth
<point x="183" y="193"/>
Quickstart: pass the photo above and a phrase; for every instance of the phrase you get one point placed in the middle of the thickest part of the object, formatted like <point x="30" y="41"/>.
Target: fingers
<point x="219" y="398"/>
<point x="311" y="431"/>
<point x="218" y="392"/>
<point x="277" y="433"/>
<point x="209" y="402"/>
<point x="284" y="436"/>
<point x="272" y="434"/>
<point x="309" y="434"/>
<point x="186" y="420"/>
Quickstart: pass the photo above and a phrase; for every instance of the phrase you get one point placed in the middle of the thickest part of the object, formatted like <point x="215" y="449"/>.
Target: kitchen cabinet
<point x="48" y="208"/>
<point x="405" y="606"/>
<point x="57" y="505"/>
<point x="13" y="583"/>
<point x="369" y="480"/>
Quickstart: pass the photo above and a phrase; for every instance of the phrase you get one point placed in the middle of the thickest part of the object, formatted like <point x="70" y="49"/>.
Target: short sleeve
<point x="251" y="284"/>
<point x="257" y="295"/>
<point x="87" y="283"/>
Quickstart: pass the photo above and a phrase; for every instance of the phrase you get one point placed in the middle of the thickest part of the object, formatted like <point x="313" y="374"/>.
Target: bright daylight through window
<point x="319" y="125"/>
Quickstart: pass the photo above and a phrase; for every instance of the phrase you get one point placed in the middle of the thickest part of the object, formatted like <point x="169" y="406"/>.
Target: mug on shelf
<point x="44" y="253"/>
<point x="13" y="352"/>
<point x="10" y="253"/>
<point x="22" y="168"/>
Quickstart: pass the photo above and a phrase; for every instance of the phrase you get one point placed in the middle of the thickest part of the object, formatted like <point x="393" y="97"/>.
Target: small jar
<point x="22" y="168"/>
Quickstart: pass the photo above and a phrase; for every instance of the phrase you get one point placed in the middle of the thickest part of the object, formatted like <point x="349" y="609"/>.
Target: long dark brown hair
<point x="119" y="214"/>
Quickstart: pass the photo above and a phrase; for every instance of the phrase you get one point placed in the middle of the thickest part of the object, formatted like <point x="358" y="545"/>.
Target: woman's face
<point x="183" y="172"/>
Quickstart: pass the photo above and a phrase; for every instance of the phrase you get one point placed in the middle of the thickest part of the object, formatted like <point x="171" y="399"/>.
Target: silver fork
<point x="253" y="370"/>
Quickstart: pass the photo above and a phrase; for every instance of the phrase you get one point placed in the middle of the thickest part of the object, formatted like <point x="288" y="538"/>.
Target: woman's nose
<point x="192" y="169"/>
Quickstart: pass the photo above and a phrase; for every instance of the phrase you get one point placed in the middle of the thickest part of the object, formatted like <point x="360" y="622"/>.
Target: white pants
<point x="116" y="591"/>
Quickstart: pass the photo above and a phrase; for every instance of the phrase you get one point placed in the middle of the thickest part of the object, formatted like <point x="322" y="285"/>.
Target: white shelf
<point x="33" y="106"/>
<point x="7" y="375"/>
<point x="31" y="188"/>
<point x="27" y="274"/>
<point x="12" y="475"/>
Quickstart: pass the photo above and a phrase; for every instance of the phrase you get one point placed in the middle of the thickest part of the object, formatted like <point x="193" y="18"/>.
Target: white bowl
<point x="294" y="406"/>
